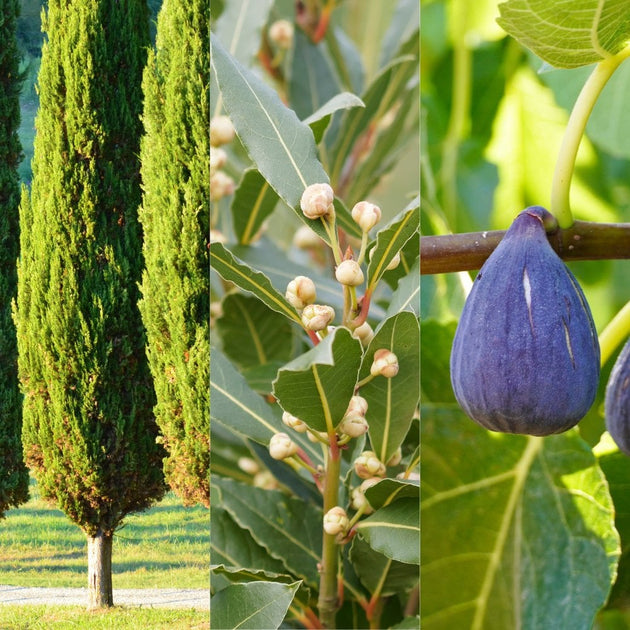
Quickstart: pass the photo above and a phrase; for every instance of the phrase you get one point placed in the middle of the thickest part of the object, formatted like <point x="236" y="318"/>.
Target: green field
<point x="167" y="546"/>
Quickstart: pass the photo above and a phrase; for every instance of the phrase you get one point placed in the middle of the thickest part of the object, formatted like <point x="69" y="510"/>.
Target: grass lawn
<point x="65" y="617"/>
<point x="167" y="546"/>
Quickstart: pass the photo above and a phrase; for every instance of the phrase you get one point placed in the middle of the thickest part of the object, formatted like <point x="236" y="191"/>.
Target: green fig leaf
<point x="568" y="33"/>
<point x="389" y="490"/>
<point x="521" y="528"/>
<point x="317" y="386"/>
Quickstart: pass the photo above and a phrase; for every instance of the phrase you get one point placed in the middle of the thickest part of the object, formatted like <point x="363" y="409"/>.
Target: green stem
<point x="327" y="602"/>
<point x="615" y="334"/>
<point x="560" y="205"/>
<point x="459" y="118"/>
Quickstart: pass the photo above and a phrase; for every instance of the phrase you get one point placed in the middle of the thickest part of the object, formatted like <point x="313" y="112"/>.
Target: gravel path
<point x="146" y="598"/>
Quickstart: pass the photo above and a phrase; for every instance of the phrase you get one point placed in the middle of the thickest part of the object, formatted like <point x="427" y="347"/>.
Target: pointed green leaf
<point x="377" y="571"/>
<point x="568" y="33"/>
<point x="242" y="411"/>
<point x="243" y="276"/>
<point x="319" y="120"/>
<point x="251" y="333"/>
<point x="313" y="81"/>
<point x="389" y="490"/>
<point x="282" y="147"/>
<point x="255" y="605"/>
<point x="378" y="98"/>
<point x="517" y="531"/>
<point x="289" y="529"/>
<point x="406" y="297"/>
<point x="390" y="240"/>
<point x="254" y="200"/>
<point x="394" y="530"/>
<point x="233" y="546"/>
<point x="392" y="401"/>
<point x="317" y="386"/>
<point x="240" y="27"/>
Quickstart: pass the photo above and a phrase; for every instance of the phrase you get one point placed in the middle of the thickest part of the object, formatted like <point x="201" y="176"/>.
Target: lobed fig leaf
<point x="617" y="401"/>
<point x="525" y="357"/>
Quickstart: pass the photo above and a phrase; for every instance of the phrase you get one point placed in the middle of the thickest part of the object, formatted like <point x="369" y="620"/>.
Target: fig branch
<point x="584" y="240"/>
<point x="582" y="109"/>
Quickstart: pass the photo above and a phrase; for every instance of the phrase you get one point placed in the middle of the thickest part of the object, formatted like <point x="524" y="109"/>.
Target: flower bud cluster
<point x="353" y="422"/>
<point x="221" y="132"/>
<point x="357" y="497"/>
<point x="301" y="292"/>
<point x="349" y="273"/>
<point x="281" y="34"/>
<point x="294" y="423"/>
<point x="336" y="521"/>
<point x="316" y="317"/>
<point x="369" y="465"/>
<point x="318" y="201"/>
<point x="385" y="363"/>
<point x="282" y="446"/>
<point x="366" y="215"/>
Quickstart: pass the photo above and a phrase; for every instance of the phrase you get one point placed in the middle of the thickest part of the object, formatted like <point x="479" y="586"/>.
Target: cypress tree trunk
<point x="89" y="432"/>
<point x="100" y="592"/>
<point x="175" y="217"/>
<point x="13" y="472"/>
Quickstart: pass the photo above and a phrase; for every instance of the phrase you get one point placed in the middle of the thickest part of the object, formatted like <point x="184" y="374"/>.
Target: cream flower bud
<point x="216" y="236"/>
<point x="221" y="131"/>
<point x="353" y="424"/>
<point x="248" y="465"/>
<point x="349" y="273"/>
<point x="305" y="238"/>
<point x="317" y="201"/>
<point x="221" y="185"/>
<point x="358" y="405"/>
<point x="317" y="316"/>
<point x="395" y="261"/>
<point x="413" y="476"/>
<point x="336" y="521"/>
<point x="366" y="214"/>
<point x="357" y="496"/>
<point x="385" y="362"/>
<point x="363" y="333"/>
<point x="394" y="460"/>
<point x="368" y="465"/>
<point x="312" y="436"/>
<point x="301" y="292"/>
<point x="293" y="422"/>
<point x="281" y="34"/>
<point x="281" y="446"/>
<point x="218" y="159"/>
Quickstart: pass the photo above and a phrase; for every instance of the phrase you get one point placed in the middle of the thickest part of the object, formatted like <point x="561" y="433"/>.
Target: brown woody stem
<point x="584" y="240"/>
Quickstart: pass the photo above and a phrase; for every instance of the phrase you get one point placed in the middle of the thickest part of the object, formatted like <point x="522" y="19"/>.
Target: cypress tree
<point x="13" y="472"/>
<point x="175" y="217"/>
<point x="89" y="432"/>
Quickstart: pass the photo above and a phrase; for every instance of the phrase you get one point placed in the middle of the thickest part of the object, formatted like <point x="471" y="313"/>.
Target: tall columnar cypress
<point x="175" y="217"/>
<point x="13" y="472"/>
<point x="89" y="432"/>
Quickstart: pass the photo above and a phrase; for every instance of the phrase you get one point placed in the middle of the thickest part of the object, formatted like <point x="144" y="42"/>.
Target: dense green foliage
<point x="175" y="217"/>
<point x="89" y="432"/>
<point x="13" y="473"/>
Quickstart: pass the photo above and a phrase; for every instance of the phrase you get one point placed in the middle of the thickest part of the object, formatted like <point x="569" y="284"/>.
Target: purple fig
<point x="617" y="404"/>
<point x="525" y="357"/>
